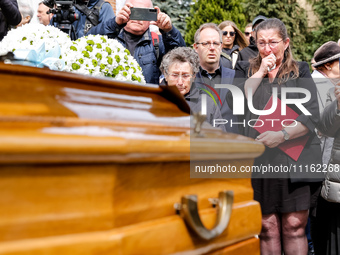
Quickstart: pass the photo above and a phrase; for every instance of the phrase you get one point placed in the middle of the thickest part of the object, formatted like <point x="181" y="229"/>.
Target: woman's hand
<point x="271" y="139"/>
<point x="267" y="63"/>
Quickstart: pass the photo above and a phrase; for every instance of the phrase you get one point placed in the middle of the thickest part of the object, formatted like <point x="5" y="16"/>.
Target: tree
<point x="328" y="13"/>
<point x="292" y="15"/>
<point x="214" y="11"/>
<point x="177" y="10"/>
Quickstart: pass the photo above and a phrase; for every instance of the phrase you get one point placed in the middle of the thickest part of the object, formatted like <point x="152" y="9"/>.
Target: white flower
<point x="31" y="36"/>
<point x="92" y="55"/>
<point x="100" y="56"/>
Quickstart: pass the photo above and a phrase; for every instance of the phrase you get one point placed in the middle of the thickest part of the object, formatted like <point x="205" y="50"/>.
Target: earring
<point x="330" y="68"/>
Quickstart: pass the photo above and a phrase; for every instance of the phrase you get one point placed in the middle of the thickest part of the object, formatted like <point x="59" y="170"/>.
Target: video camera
<point x="64" y="15"/>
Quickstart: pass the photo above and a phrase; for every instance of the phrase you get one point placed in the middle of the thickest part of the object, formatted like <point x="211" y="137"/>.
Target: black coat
<point x="248" y="52"/>
<point x="193" y="99"/>
<point x="9" y="15"/>
<point x="306" y="168"/>
<point x="227" y="77"/>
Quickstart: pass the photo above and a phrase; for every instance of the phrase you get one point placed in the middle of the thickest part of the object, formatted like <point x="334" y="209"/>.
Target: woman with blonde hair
<point x="233" y="41"/>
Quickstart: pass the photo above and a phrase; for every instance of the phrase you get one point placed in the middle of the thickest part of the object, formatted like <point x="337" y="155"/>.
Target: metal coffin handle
<point x="189" y="212"/>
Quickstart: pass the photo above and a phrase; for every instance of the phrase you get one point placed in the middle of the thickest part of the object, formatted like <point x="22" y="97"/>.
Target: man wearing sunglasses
<point x="208" y="45"/>
<point x="251" y="51"/>
<point x="247" y="31"/>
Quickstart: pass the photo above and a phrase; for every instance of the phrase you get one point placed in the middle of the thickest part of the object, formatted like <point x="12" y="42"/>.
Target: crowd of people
<point x="260" y="63"/>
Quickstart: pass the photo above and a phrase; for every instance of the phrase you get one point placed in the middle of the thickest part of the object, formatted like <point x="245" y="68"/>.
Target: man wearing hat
<point x="251" y="51"/>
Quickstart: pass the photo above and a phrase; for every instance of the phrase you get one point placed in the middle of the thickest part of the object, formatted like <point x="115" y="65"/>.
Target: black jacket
<point x="302" y="169"/>
<point x="193" y="98"/>
<point x="9" y="15"/>
<point x="248" y="52"/>
<point x="227" y="56"/>
<point x="227" y="77"/>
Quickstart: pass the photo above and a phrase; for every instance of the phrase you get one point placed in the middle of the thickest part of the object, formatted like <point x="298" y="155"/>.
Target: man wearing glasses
<point x="208" y="45"/>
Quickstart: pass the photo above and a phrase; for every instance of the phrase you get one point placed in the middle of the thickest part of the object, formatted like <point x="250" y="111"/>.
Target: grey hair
<point x="204" y="26"/>
<point x="182" y="55"/>
<point x="25" y="10"/>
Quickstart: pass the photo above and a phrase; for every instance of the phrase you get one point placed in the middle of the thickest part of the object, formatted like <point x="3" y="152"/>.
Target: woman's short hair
<point x="240" y="39"/>
<point x="182" y="55"/>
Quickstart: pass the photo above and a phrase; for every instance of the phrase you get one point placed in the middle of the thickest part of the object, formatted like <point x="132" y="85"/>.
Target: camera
<point x="64" y="15"/>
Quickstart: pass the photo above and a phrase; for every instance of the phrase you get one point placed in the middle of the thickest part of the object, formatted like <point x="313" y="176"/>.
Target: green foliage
<point x="291" y="14"/>
<point x="215" y="11"/>
<point x="328" y="13"/>
<point x="177" y="10"/>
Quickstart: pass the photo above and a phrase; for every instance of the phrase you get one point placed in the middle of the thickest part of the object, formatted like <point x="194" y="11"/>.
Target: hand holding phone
<point x="163" y="21"/>
<point x="123" y="14"/>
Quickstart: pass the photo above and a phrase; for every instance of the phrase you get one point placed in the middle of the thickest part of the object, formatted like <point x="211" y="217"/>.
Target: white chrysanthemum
<point x="31" y="36"/>
<point x="100" y="56"/>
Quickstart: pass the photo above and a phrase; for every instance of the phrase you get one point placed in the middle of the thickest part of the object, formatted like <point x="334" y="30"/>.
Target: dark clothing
<point x="9" y="15"/>
<point x="227" y="76"/>
<point x="311" y="152"/>
<point x="280" y="195"/>
<point x="145" y="53"/>
<point x="294" y="192"/>
<point x="193" y="99"/>
<point x="106" y="13"/>
<point x="229" y="56"/>
<point x="131" y="41"/>
<point x="327" y="223"/>
<point x="248" y="52"/>
<point x="211" y="78"/>
<point x="326" y="229"/>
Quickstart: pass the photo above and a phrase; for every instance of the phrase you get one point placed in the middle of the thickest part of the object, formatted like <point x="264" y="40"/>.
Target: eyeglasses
<point x="208" y="44"/>
<point x="247" y="33"/>
<point x="175" y="76"/>
<point x="272" y="44"/>
<point x="232" y="34"/>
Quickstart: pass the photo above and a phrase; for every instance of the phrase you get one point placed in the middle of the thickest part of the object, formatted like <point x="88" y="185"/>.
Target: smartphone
<point x="148" y="14"/>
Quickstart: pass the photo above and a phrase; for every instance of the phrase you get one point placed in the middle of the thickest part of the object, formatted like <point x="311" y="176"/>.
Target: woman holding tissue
<point x="284" y="189"/>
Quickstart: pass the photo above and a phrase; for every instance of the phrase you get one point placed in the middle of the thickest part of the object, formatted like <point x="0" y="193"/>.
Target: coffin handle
<point x="189" y="212"/>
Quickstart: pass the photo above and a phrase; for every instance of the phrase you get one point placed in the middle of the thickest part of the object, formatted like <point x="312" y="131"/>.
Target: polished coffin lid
<point x="96" y="143"/>
<point x="52" y="116"/>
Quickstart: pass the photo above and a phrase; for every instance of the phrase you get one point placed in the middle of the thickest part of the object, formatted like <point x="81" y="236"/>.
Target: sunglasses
<point x="232" y="34"/>
<point x="247" y="33"/>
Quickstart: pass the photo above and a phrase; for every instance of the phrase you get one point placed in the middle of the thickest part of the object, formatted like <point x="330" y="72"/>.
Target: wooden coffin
<point x="96" y="166"/>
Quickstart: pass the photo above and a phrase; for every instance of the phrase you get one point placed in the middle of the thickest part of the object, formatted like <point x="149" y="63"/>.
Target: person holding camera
<point x="9" y="15"/>
<point x="90" y="16"/>
<point x="135" y="35"/>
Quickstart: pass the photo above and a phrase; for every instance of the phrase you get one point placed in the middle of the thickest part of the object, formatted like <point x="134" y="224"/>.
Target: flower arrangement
<point x="100" y="56"/>
<point x="31" y="36"/>
<point x="95" y="55"/>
